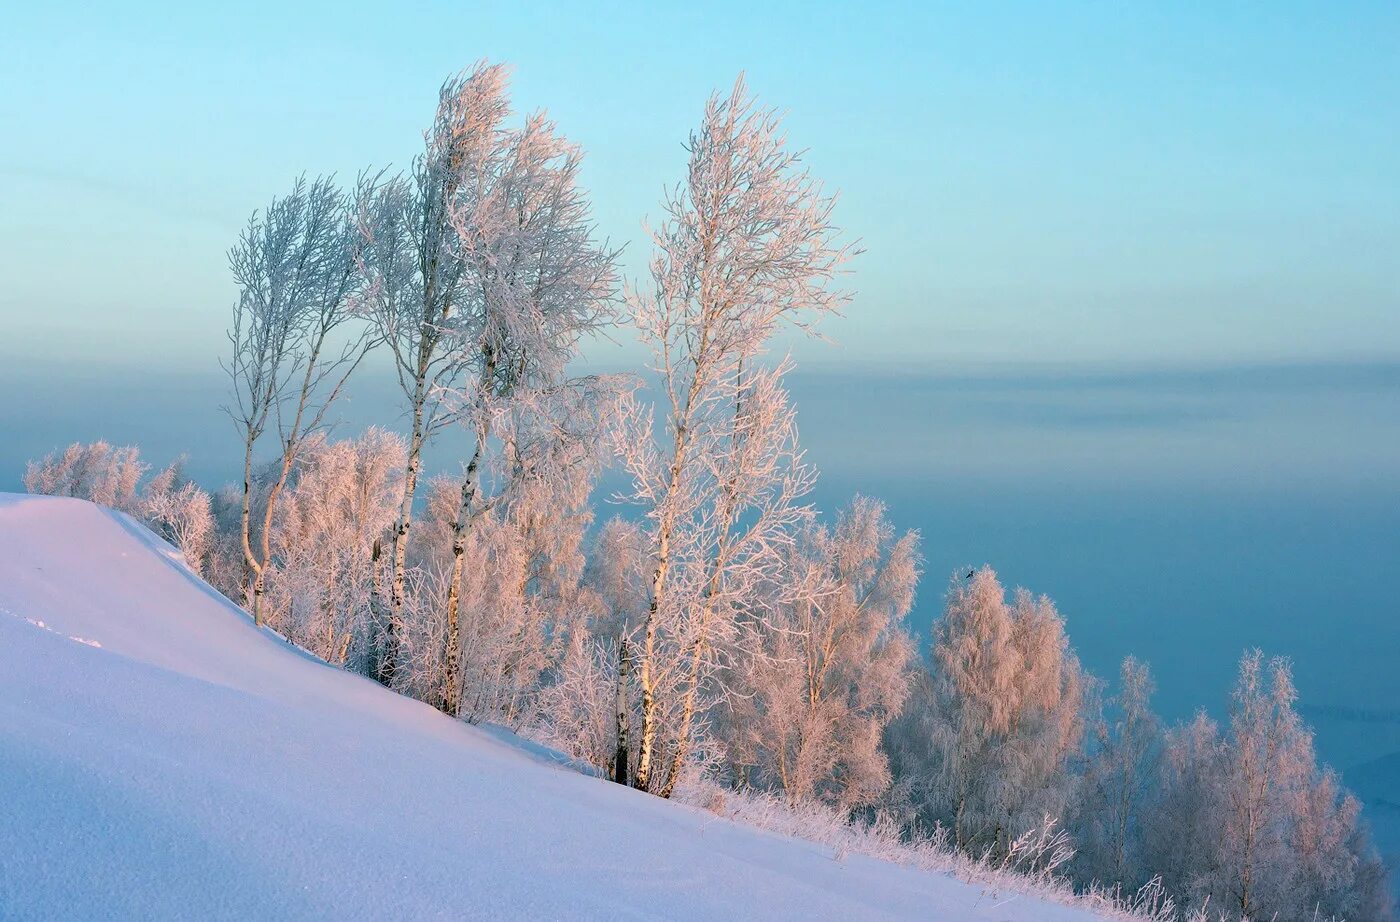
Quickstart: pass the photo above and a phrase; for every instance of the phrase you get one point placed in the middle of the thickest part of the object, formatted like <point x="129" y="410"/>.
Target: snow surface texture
<point x="160" y="757"/>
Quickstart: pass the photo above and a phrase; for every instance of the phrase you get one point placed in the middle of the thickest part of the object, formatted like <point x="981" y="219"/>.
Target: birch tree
<point x="1289" y="832"/>
<point x="417" y="287"/>
<point x="747" y="246"/>
<point x="485" y="274"/>
<point x="540" y="282"/>
<point x="295" y="267"/>
<point x="1264" y="729"/>
<point x="1188" y="810"/>
<point x="1122" y="774"/>
<point x="1248" y="821"/>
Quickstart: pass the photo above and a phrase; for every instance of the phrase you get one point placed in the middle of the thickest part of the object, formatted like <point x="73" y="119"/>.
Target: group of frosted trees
<point x="720" y="626"/>
<point x="1271" y="833"/>
<point x="1005" y="731"/>
<point x="169" y="503"/>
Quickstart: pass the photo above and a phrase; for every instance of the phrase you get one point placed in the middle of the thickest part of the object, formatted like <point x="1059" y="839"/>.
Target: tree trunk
<point x="465" y="514"/>
<point x="250" y="560"/>
<point x="259" y="590"/>
<point x="687" y="718"/>
<point x="453" y="656"/>
<point x="373" y="641"/>
<point x="622" y="716"/>
<point x="649" y="715"/>
<point x="388" y="656"/>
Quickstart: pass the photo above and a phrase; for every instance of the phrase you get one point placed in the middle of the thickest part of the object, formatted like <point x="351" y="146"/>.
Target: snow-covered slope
<point x="161" y="758"/>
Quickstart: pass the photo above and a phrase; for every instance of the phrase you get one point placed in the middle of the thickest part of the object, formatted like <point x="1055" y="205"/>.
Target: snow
<point x="160" y="757"/>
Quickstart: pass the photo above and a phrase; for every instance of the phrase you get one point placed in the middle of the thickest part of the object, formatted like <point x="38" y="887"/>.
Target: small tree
<point x="589" y="707"/>
<point x="1121" y="775"/>
<point x="834" y="662"/>
<point x="1266" y="738"/>
<point x="1005" y="702"/>
<point x="339" y="502"/>
<point x="1291" y="843"/>
<point x="179" y="511"/>
<point x="1187" y="810"/>
<point x="1249" y="820"/>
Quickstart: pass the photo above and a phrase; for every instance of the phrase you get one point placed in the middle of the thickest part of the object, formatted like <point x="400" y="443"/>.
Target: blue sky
<point x="1127" y="326"/>
<point x="1106" y="183"/>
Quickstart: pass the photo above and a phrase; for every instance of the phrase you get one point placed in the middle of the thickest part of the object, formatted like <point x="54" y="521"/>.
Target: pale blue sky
<point x="1120" y="184"/>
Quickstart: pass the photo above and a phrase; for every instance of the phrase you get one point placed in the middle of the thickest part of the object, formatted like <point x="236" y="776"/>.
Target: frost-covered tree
<point x="98" y="472"/>
<point x="417" y="284"/>
<point x="485" y="275"/>
<point x="1268" y="753"/>
<point x="1121" y="775"/>
<point x="541" y="477"/>
<point x="617" y="573"/>
<point x="338" y="504"/>
<point x="738" y="546"/>
<point x="169" y="504"/>
<point x="179" y="511"/>
<point x="831" y="666"/>
<point x="224" y="568"/>
<point x="540" y="281"/>
<point x="522" y="564"/>
<point x="747" y="246"/>
<point x="1247" y="820"/>
<point x="295" y="268"/>
<point x="589" y="707"/>
<point x="1005" y="717"/>
<point x="577" y="710"/>
<point x="1186" y="810"/>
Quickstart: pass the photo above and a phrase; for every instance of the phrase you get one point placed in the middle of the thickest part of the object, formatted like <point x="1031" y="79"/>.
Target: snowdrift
<point x="162" y="758"/>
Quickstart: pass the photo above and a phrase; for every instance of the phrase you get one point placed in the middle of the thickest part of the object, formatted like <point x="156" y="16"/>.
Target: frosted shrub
<point x="179" y="511"/>
<point x="577" y="709"/>
<point x="1033" y="864"/>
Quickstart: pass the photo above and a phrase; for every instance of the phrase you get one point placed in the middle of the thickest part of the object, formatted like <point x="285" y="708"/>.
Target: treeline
<point x="722" y="630"/>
